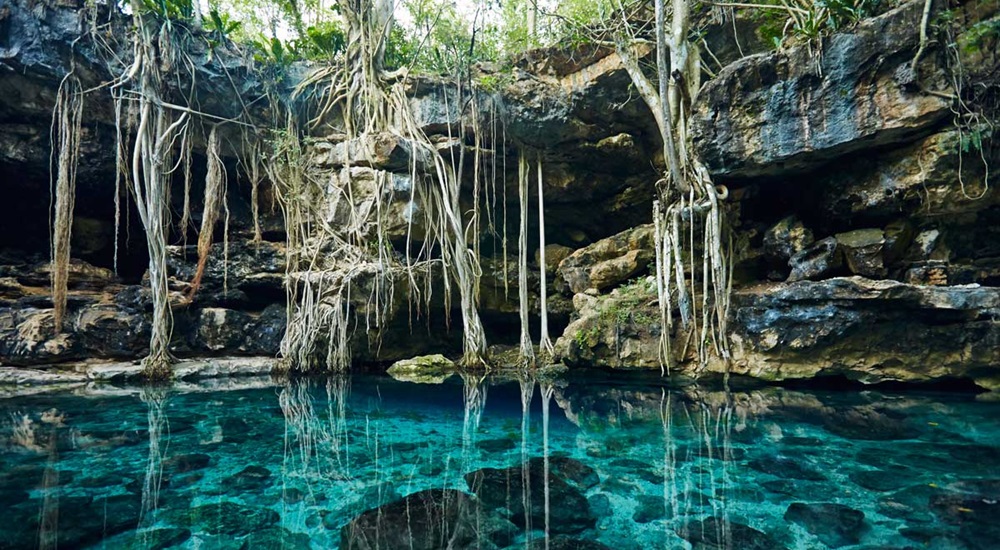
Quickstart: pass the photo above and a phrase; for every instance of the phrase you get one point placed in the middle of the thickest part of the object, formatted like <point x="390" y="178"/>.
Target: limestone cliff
<point x="866" y="240"/>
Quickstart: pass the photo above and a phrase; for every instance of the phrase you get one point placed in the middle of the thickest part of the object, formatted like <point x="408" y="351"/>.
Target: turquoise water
<point x="368" y="462"/>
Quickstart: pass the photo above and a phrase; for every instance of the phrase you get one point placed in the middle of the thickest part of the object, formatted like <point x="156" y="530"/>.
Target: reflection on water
<point x="369" y="462"/>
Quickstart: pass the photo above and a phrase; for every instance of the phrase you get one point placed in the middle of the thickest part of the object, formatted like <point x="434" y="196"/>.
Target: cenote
<point x="491" y="462"/>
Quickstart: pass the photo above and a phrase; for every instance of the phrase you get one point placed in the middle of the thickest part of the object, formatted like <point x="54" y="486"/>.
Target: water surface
<point x="368" y="462"/>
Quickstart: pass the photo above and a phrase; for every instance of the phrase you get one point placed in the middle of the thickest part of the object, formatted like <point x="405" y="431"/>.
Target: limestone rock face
<point x="610" y="261"/>
<point x="870" y="331"/>
<point x="774" y="112"/>
<point x="620" y="329"/>
<point x="921" y="179"/>
<point x="865" y="330"/>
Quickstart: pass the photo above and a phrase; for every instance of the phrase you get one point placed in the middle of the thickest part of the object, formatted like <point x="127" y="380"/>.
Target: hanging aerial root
<point x="545" y="343"/>
<point x="214" y="196"/>
<point x="66" y="130"/>
<point x="527" y="350"/>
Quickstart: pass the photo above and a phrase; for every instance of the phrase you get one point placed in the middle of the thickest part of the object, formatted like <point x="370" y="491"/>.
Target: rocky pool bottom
<point x="369" y="462"/>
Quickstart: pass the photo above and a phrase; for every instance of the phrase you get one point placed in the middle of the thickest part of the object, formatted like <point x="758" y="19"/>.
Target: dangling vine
<point x="545" y="343"/>
<point x="66" y="120"/>
<point x="527" y="349"/>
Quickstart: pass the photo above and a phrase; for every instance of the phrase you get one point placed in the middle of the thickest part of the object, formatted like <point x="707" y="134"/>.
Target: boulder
<point x="835" y="525"/>
<point x="506" y="489"/>
<point x="786" y="468"/>
<point x="554" y="255"/>
<point x="426" y="369"/>
<point x="821" y="260"/>
<point x="618" y="330"/>
<point x="863" y="250"/>
<point x="785" y="239"/>
<point x="609" y="262"/>
<point x="717" y="533"/>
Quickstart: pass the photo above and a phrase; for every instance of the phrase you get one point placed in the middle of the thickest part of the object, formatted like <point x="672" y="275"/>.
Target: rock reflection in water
<point x="372" y="463"/>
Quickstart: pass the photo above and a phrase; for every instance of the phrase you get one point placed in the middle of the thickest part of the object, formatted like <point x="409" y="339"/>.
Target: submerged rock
<point x="510" y="488"/>
<point x="428" y="520"/>
<point x="224" y="518"/>
<point x="835" y="525"/>
<point x="276" y="537"/>
<point x="250" y="479"/>
<point x="716" y="533"/>
<point x="159" y="539"/>
<point x="786" y="468"/>
<point x="649" y="509"/>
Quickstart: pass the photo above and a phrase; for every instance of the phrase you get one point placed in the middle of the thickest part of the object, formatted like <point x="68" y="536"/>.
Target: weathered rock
<point x="428" y="369"/>
<point x="835" y="525"/>
<point x="856" y="104"/>
<point x="609" y="262"/>
<point x="383" y="151"/>
<point x="861" y="329"/>
<point x="217" y="329"/>
<point x="898" y="237"/>
<point x="254" y="268"/>
<point x="619" y="330"/>
<point x="863" y="251"/>
<point x="27" y="335"/>
<point x="821" y="260"/>
<point x="785" y="239"/>
<point x="920" y="180"/>
<point x="554" y="255"/>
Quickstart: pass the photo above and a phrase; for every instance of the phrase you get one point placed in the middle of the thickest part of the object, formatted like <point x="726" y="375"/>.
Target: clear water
<point x="290" y="464"/>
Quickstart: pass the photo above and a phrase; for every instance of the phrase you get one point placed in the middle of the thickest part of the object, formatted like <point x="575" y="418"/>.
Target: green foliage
<point x="810" y="19"/>
<point x="324" y="40"/>
<point x="980" y="35"/>
<point x="629" y="305"/>
<point x="176" y="10"/>
<point x="221" y="25"/>
<point x="494" y="82"/>
<point x="973" y="138"/>
<point x="832" y="15"/>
